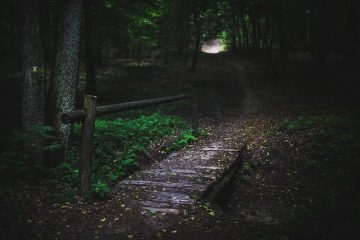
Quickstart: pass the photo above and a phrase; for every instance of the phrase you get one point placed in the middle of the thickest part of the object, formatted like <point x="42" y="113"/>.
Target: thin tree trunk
<point x="197" y="43"/>
<point x="246" y="33"/>
<point x="322" y="34"/>
<point x="352" y="37"/>
<point x="254" y="33"/>
<point x="186" y="53"/>
<point x="233" y="34"/>
<point x="238" y="34"/>
<point x="47" y="41"/>
<point x="283" y="51"/>
<point x="33" y="104"/>
<point x="89" y="49"/>
<point x="66" y="68"/>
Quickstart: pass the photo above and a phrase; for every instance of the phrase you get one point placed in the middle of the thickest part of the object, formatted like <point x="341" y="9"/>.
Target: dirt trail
<point x="224" y="86"/>
<point x="251" y="102"/>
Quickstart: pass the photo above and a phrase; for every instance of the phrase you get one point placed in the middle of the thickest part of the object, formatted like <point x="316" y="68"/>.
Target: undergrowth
<point x="330" y="135"/>
<point x="118" y="144"/>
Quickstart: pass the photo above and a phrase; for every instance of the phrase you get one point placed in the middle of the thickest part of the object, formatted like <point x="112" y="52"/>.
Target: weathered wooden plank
<point x="179" y="173"/>
<point x="180" y="185"/>
<point x="209" y="167"/>
<point x="220" y="149"/>
<point x="173" y="198"/>
<point x="163" y="210"/>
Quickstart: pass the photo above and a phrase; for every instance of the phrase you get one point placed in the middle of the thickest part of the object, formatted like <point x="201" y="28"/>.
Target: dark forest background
<point x="320" y="31"/>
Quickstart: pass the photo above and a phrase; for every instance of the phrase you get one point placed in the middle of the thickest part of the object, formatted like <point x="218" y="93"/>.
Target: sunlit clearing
<point x="213" y="46"/>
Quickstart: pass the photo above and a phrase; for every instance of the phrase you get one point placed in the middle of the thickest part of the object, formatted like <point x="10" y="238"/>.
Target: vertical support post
<point x="86" y="145"/>
<point x="194" y="111"/>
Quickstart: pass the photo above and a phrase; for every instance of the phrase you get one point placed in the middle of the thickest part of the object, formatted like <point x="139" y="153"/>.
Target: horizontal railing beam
<point x="78" y="115"/>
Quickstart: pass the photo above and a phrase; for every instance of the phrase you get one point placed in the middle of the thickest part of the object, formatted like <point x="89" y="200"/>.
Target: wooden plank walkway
<point x="182" y="178"/>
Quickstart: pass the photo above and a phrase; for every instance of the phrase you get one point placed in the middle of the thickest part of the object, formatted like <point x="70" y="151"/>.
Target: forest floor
<point x="299" y="177"/>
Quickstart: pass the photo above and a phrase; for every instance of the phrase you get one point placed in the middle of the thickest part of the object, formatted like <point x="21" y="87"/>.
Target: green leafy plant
<point x="184" y="139"/>
<point x="118" y="144"/>
<point x="65" y="173"/>
<point x="99" y="189"/>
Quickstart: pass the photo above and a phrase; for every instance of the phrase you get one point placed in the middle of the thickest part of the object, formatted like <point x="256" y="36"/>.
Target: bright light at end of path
<point x="213" y="46"/>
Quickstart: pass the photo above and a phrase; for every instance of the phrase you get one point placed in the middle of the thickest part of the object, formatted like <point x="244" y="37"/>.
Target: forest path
<point x="251" y="103"/>
<point x="224" y="86"/>
<point x="184" y="177"/>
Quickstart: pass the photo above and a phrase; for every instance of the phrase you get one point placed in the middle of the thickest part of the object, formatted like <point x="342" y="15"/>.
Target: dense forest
<point x="44" y="38"/>
<point x="265" y="70"/>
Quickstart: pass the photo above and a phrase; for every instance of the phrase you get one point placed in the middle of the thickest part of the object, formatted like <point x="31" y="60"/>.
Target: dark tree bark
<point x="352" y="32"/>
<point x="197" y="42"/>
<point x="238" y="34"/>
<point x="283" y="51"/>
<point x="233" y="33"/>
<point x="66" y="68"/>
<point x="89" y="49"/>
<point x="245" y="32"/>
<point x="46" y="39"/>
<point x="33" y="104"/>
<point x="322" y="33"/>
<point x="254" y="32"/>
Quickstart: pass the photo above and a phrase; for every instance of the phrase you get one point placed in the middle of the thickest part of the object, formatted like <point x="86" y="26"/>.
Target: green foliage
<point x="66" y="172"/>
<point x="99" y="189"/>
<point x="184" y="139"/>
<point x="118" y="144"/>
<point x="24" y="159"/>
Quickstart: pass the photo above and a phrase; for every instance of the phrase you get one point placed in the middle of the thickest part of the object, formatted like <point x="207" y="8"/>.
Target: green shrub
<point x="65" y="173"/>
<point x="184" y="139"/>
<point x="118" y="144"/>
<point x="25" y="157"/>
<point x="99" y="189"/>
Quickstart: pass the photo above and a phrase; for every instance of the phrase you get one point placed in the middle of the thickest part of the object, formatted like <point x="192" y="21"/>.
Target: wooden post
<point x="86" y="145"/>
<point x="194" y="111"/>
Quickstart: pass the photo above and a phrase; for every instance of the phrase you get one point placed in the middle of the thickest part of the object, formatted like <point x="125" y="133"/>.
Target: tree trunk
<point x="33" y="104"/>
<point x="238" y="34"/>
<point x="254" y="33"/>
<point x="283" y="51"/>
<point x="322" y="34"/>
<point x="89" y="49"/>
<point x="351" y="52"/>
<point x="233" y="33"/>
<point x="66" y="68"/>
<point x="246" y="33"/>
<point x="197" y="43"/>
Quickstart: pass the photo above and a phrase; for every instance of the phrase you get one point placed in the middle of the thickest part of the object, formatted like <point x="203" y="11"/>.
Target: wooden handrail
<point x="78" y="115"/>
